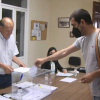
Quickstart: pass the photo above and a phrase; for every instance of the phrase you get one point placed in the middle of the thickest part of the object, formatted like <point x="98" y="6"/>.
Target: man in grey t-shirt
<point x="85" y="31"/>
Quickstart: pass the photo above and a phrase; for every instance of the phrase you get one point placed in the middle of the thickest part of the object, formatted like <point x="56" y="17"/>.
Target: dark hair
<point x="1" y="23"/>
<point x="81" y="14"/>
<point x="50" y="49"/>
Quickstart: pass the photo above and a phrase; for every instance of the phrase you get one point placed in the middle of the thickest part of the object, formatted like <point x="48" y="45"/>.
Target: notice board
<point x="38" y="30"/>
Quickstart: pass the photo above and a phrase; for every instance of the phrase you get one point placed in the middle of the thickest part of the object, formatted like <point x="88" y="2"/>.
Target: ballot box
<point x="28" y="87"/>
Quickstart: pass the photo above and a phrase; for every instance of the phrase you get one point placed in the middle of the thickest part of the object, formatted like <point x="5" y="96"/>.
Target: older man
<point x="8" y="50"/>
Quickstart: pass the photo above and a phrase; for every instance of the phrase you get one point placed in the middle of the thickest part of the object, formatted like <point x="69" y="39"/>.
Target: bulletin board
<point x="38" y="30"/>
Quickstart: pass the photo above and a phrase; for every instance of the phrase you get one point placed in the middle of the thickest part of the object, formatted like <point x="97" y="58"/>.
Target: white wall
<point x="50" y="10"/>
<point x="60" y="37"/>
<point x="38" y="10"/>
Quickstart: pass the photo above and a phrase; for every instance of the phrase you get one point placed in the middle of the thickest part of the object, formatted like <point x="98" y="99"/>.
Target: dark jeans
<point x="96" y="98"/>
<point x="5" y="81"/>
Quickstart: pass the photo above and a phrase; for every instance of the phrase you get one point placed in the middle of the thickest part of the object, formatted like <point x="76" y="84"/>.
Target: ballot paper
<point x="69" y="80"/>
<point x="64" y="74"/>
<point x="33" y="71"/>
<point x="21" y="70"/>
<point x="24" y="84"/>
<point x="3" y="98"/>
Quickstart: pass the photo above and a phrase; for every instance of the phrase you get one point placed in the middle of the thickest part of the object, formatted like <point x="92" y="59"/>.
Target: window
<point x="18" y="3"/>
<point x="20" y="26"/>
<point x="6" y="13"/>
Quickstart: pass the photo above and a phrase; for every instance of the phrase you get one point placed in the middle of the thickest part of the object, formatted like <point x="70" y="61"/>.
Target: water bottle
<point x="46" y="78"/>
<point x="75" y="72"/>
<point x="52" y="67"/>
<point x="52" y="70"/>
<point x="19" y="93"/>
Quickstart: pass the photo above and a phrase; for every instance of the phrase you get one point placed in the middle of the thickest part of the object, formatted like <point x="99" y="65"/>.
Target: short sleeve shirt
<point x="8" y="50"/>
<point x="87" y="46"/>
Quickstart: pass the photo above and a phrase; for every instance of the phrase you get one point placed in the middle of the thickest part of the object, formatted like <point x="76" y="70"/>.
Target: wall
<point x="59" y="37"/>
<point x="38" y="10"/>
<point x="50" y="10"/>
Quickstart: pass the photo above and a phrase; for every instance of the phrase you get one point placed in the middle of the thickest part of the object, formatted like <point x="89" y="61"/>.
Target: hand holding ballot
<point x="33" y="71"/>
<point x="39" y="62"/>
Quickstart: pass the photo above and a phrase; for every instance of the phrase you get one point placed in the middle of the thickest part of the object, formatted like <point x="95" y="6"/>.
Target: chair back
<point x="74" y="61"/>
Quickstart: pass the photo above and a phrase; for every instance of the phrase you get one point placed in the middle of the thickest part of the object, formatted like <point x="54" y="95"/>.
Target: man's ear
<point x="82" y="21"/>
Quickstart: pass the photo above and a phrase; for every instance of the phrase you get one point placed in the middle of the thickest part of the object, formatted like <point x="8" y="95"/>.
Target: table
<point x="66" y="91"/>
<point x="70" y="91"/>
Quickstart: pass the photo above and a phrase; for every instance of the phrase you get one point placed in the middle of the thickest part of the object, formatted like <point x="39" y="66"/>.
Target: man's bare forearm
<point x="1" y="65"/>
<point x="61" y="54"/>
<point x="16" y="60"/>
<point x="96" y="73"/>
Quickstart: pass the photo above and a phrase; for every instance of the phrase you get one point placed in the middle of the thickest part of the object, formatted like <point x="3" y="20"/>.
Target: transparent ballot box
<point x="27" y="87"/>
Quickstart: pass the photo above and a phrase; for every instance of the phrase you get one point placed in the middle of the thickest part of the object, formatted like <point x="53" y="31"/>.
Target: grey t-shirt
<point x="87" y="46"/>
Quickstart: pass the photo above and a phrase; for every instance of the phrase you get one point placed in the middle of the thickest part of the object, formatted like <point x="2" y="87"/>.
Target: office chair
<point x="73" y="61"/>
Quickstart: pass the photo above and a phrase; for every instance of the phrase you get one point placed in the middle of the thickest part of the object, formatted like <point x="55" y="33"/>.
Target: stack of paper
<point x="29" y="84"/>
<point x="34" y="92"/>
<point x="21" y="70"/>
<point x="69" y="80"/>
<point x="39" y="91"/>
<point x="24" y="84"/>
<point x="7" y="95"/>
<point x="64" y="74"/>
<point x="3" y="98"/>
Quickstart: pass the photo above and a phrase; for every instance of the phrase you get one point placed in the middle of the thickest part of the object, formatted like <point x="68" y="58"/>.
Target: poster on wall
<point x="39" y="35"/>
<point x="36" y="26"/>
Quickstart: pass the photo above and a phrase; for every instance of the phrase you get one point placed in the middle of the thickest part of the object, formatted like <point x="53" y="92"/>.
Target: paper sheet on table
<point x="24" y="84"/>
<point x="45" y="87"/>
<point x="69" y="80"/>
<point x="21" y="70"/>
<point x="3" y="98"/>
<point x="35" y="95"/>
<point x="64" y="74"/>
<point x="7" y="95"/>
<point x="52" y="88"/>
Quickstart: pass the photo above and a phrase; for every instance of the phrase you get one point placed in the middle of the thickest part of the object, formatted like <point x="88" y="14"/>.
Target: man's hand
<point x="8" y="69"/>
<point x="17" y="61"/>
<point x="88" y="78"/>
<point x="22" y="65"/>
<point x="38" y="62"/>
<point x="64" y="71"/>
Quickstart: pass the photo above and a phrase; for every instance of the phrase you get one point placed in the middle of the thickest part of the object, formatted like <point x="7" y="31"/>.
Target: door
<point x="96" y="14"/>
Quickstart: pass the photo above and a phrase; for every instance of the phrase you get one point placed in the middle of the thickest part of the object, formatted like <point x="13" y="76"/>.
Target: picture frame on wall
<point x="63" y="22"/>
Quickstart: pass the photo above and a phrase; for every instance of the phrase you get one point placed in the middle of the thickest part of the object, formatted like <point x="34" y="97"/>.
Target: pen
<point x="21" y="77"/>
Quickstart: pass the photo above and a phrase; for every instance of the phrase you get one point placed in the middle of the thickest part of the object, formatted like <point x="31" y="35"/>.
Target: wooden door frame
<point x="94" y="2"/>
